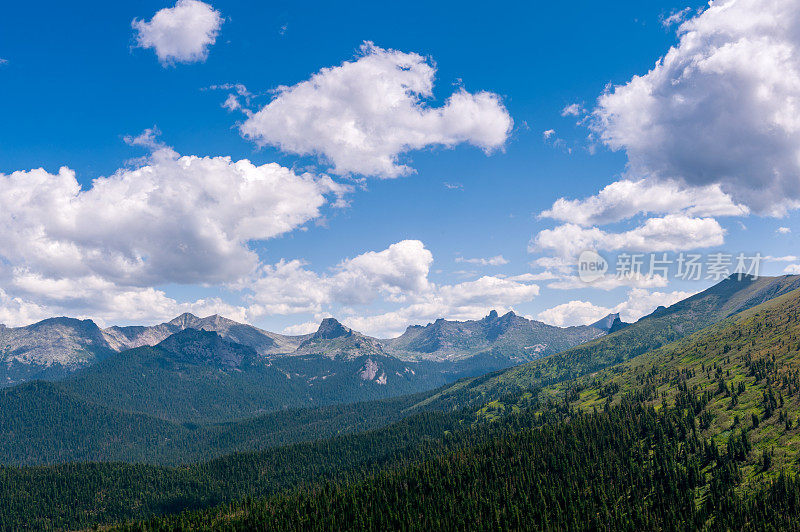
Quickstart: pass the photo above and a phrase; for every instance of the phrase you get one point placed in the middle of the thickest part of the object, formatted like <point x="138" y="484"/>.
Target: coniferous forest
<point x="390" y="266"/>
<point x="701" y="433"/>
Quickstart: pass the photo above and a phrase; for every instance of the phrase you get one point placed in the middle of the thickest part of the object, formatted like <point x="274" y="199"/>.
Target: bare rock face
<point x="330" y="328"/>
<point x="49" y="349"/>
<point x="264" y="342"/>
<point x="369" y="371"/>
<point x="509" y="336"/>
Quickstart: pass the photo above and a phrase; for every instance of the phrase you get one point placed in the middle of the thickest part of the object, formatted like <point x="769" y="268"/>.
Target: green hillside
<point x="625" y="468"/>
<point x="747" y="369"/>
<point x="700" y="433"/>
<point x="663" y="326"/>
<point x="79" y="495"/>
<point x="42" y="423"/>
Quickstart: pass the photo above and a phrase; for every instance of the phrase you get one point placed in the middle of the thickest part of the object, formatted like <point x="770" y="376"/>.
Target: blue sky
<point x="78" y="80"/>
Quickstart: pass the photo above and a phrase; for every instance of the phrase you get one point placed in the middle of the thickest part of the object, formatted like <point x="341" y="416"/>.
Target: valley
<point x="708" y="420"/>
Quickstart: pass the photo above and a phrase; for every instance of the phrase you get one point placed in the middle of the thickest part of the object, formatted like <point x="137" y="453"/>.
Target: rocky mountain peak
<point x="330" y="328"/>
<point x="605" y="322"/>
<point x="184" y="320"/>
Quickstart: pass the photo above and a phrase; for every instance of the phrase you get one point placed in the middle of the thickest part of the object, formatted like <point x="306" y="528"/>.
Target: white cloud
<point x="573" y="109"/>
<point x="573" y="313"/>
<point x="641" y="303"/>
<point x="15" y="311"/>
<point x="91" y="297"/>
<point x="301" y="328"/>
<point x="721" y="107"/>
<point x="174" y="220"/>
<point x="792" y="269"/>
<point x="783" y="230"/>
<point x="180" y="34"/>
<point x="363" y="115"/>
<point x="638" y="303"/>
<point x="497" y="260"/>
<point x="676" y="17"/>
<point x="668" y="233"/>
<point x="468" y="300"/>
<point x="397" y="271"/>
<point x="625" y="199"/>
<point x="398" y="274"/>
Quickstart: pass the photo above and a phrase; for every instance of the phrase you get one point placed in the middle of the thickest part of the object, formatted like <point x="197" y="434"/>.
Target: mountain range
<point x="57" y="347"/>
<point x="625" y="341"/>
<point x="696" y="404"/>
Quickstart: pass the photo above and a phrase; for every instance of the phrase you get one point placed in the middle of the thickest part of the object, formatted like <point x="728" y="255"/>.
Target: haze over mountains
<point x="57" y="347"/>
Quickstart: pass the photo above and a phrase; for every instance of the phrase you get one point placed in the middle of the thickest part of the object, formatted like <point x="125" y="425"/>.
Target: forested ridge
<point x="703" y="433"/>
<point x="79" y="495"/>
<point x="42" y="423"/>
<point x="665" y="325"/>
<point x="628" y="467"/>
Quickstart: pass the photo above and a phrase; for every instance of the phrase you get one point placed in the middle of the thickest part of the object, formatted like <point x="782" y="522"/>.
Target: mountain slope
<point x="190" y="376"/>
<point x="509" y="335"/>
<point x="264" y="342"/>
<point x="49" y="349"/>
<point x="747" y="369"/>
<point x="666" y="440"/>
<point x="198" y="376"/>
<point x="42" y="423"/>
<point x="663" y="326"/>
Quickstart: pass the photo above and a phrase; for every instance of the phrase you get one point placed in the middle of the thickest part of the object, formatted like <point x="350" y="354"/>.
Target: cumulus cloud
<point x="397" y="274"/>
<point x="363" y="115"/>
<point x="783" y="230"/>
<point x="573" y="313"/>
<point x="639" y="302"/>
<point x="625" y="199"/>
<point x="720" y="108"/>
<point x="100" y="251"/>
<point x="180" y="34"/>
<point x="792" y="269"/>
<point x="468" y="300"/>
<point x="103" y="250"/>
<point x="668" y="233"/>
<point x="15" y="311"/>
<point x="301" y="328"/>
<point x="37" y="297"/>
<point x="174" y="220"/>
<point x="497" y="260"/>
